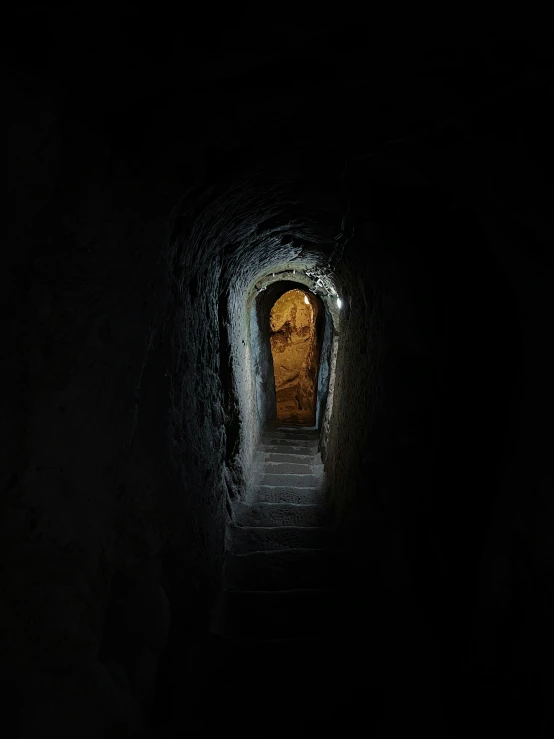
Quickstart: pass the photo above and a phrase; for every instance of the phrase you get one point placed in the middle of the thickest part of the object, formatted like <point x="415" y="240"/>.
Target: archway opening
<point x="295" y="349"/>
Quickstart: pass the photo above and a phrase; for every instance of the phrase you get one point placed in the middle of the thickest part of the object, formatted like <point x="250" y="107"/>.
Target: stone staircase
<point x="279" y="610"/>
<point x="280" y="560"/>
<point x="299" y="645"/>
<point x="293" y="650"/>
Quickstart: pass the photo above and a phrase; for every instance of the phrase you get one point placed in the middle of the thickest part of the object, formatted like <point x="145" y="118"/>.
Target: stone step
<point x="295" y="450"/>
<point x="276" y="441"/>
<point x="293" y="427"/>
<point x="284" y="569"/>
<point x="244" y="539"/>
<point x="277" y="614"/>
<point x="294" y="458"/>
<point x="286" y="494"/>
<point x="293" y="481"/>
<point x="280" y="514"/>
<point x="287" y="468"/>
<point x="281" y="433"/>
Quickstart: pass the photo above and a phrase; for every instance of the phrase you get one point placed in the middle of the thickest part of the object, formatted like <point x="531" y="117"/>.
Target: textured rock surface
<point x="295" y="350"/>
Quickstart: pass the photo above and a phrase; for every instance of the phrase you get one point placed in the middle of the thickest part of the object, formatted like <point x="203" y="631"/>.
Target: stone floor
<point x="274" y="662"/>
<point x="280" y="563"/>
<point x="288" y="653"/>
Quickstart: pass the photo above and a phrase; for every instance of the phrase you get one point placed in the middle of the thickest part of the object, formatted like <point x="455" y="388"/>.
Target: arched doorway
<point x="295" y="349"/>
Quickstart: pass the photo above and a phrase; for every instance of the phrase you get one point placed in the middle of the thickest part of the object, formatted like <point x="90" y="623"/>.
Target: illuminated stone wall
<point x="295" y="357"/>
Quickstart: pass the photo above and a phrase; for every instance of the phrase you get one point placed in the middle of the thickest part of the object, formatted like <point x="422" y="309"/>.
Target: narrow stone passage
<point x="280" y="561"/>
<point x="286" y="642"/>
<point x="279" y="649"/>
<point x="279" y="608"/>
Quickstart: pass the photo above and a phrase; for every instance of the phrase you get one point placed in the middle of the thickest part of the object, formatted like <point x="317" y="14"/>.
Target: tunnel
<point x="277" y="407"/>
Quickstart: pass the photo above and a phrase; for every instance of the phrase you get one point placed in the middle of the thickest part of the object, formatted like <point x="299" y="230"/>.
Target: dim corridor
<point x="286" y="640"/>
<point x="277" y="644"/>
<point x="279" y="607"/>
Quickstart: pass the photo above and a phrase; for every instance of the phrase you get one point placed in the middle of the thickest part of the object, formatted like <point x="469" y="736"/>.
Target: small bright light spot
<point x="339" y="302"/>
<point x="306" y="300"/>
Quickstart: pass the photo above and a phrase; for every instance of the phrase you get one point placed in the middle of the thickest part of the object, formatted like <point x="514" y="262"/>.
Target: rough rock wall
<point x="425" y="440"/>
<point x="295" y="350"/>
<point x="308" y="378"/>
<point x="324" y="401"/>
<point x="99" y="473"/>
<point x="262" y="359"/>
<point x="114" y="371"/>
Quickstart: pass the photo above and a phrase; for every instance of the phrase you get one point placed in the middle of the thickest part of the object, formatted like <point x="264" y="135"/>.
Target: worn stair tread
<point x="245" y="539"/>
<point x="281" y="569"/>
<point x="272" y="467"/>
<point x="273" y="440"/>
<point x="292" y="428"/>
<point x="283" y="442"/>
<point x="295" y="451"/>
<point x="289" y="480"/>
<point x="281" y="514"/>
<point x="280" y="433"/>
<point x="287" y="494"/>
<point x="286" y="458"/>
